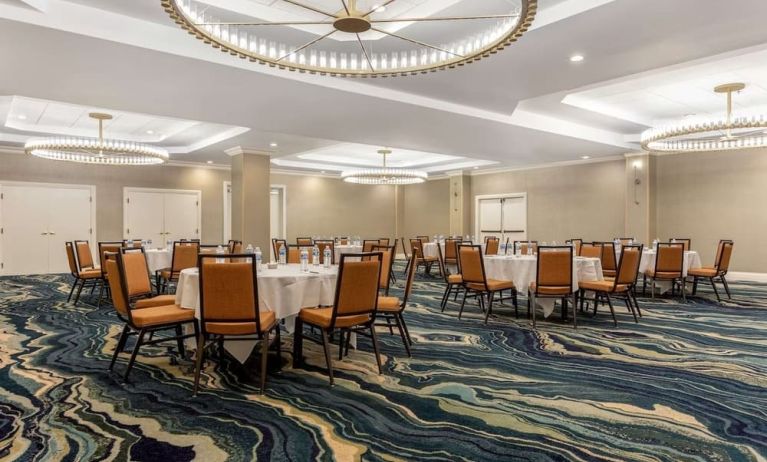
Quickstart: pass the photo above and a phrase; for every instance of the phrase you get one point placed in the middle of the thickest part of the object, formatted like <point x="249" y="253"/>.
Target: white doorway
<point x="503" y="216"/>
<point x="161" y="215"/>
<point x="278" y="213"/>
<point x="36" y="219"/>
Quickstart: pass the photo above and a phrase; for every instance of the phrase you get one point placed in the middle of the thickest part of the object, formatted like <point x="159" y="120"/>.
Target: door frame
<point x="35" y="184"/>
<point x="128" y="189"/>
<point x="477" y="199"/>
<point x="227" y="230"/>
<point x="284" y="189"/>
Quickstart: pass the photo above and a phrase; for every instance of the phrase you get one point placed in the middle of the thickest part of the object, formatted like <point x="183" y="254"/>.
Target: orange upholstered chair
<point x="622" y="285"/>
<point x="577" y="243"/>
<point x="451" y="252"/>
<point x="416" y="246"/>
<point x="554" y="279"/>
<point x="321" y="246"/>
<point x="84" y="277"/>
<point x="669" y="266"/>
<point x="128" y="278"/>
<point x="387" y="262"/>
<point x="392" y="308"/>
<point x="304" y="241"/>
<point x="609" y="263"/>
<point x="624" y="240"/>
<point x="229" y="308"/>
<point x="132" y="243"/>
<point x="234" y="246"/>
<point x="522" y="246"/>
<point x="454" y="281"/>
<point x="591" y="250"/>
<point x="354" y="308"/>
<point x="104" y="248"/>
<point x="683" y="240"/>
<point x="384" y="241"/>
<point x="276" y="244"/>
<point x="476" y="283"/>
<point x="492" y="244"/>
<point x="184" y="256"/>
<point x="718" y="271"/>
<point x="294" y="253"/>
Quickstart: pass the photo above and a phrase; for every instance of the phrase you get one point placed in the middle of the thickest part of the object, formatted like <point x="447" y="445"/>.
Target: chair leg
<point x="636" y="305"/>
<point x="445" y="297"/>
<point x="264" y="356"/>
<point x="491" y="297"/>
<point x="515" y="302"/>
<point x="375" y="346"/>
<point x="683" y="284"/>
<point x="630" y="305"/>
<point x="652" y="289"/>
<point x="72" y="290"/>
<point x="139" y="341"/>
<point x="575" y="314"/>
<point x="694" y="285"/>
<point x="101" y="293"/>
<point x="531" y="303"/>
<point x="716" y="292"/>
<point x="612" y="310"/>
<point x="463" y="303"/>
<point x="391" y="328"/>
<point x="298" y="343"/>
<point x="180" y="342"/>
<point x="120" y="345"/>
<point x="198" y="362"/>
<point x="79" y="291"/>
<point x="342" y="343"/>
<point x="726" y="286"/>
<point x="402" y="334"/>
<point x="404" y="327"/>
<point x="328" y="359"/>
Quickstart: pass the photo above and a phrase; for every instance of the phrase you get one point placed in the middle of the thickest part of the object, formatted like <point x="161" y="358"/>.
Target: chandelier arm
<point x="346" y="7"/>
<point x="447" y="18"/>
<point x="417" y="42"/>
<point x="365" y="52"/>
<point x="307" y="45"/>
<point x="383" y="5"/>
<point x="308" y="7"/>
<point x="287" y="23"/>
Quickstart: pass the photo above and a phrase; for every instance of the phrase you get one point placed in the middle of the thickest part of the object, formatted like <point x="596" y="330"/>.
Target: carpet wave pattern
<point x="688" y="383"/>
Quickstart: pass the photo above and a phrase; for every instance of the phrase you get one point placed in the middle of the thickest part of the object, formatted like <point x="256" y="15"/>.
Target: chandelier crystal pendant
<point x="361" y="38"/>
<point x="96" y="150"/>
<point x="384" y="175"/>
<point x="711" y="133"/>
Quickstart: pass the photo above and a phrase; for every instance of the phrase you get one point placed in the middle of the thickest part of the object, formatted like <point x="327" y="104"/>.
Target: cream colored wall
<point x="427" y="209"/>
<point x="713" y="196"/>
<point x="581" y="201"/>
<point x="109" y="182"/>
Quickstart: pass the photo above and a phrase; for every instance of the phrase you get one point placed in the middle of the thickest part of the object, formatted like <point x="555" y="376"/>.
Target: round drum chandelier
<point x="357" y="38"/>
<point x="384" y="175"/>
<point x="96" y="150"/>
<point x="710" y="134"/>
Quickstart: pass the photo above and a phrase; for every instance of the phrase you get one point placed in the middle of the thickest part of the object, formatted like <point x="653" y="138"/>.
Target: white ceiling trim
<point x="567" y="163"/>
<point x="547" y="123"/>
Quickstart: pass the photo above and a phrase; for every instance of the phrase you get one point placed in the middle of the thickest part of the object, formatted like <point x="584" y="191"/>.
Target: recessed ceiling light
<point x="22" y="117"/>
<point x="585" y="157"/>
<point x="379" y="8"/>
<point x="274" y="145"/>
<point x="210" y="162"/>
<point x="576" y="58"/>
<point x="476" y="168"/>
<point x="150" y="132"/>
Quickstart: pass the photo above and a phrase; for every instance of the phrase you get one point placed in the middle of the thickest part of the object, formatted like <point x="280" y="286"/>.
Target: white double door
<point x="35" y="222"/>
<point x="161" y="215"/>
<point x="504" y="217"/>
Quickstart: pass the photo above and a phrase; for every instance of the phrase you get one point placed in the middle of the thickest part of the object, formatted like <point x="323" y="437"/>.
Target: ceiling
<point x="527" y="105"/>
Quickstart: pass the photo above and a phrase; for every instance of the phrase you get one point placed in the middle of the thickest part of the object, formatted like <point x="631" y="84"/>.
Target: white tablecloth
<point x="158" y="259"/>
<point x="284" y="290"/>
<point x="342" y="249"/>
<point x="522" y="269"/>
<point x="691" y="260"/>
<point x="430" y="249"/>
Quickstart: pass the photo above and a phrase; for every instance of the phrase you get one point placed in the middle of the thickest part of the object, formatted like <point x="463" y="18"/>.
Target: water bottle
<point x="259" y="256"/>
<point x="435" y="238"/>
<point x="169" y="244"/>
<point x="529" y="248"/>
<point x="149" y="243"/>
<point x="327" y="257"/>
<point x="503" y="248"/>
<point x="315" y="256"/>
<point x="655" y="244"/>
<point x="219" y="251"/>
<point x="467" y="237"/>
<point x="617" y="244"/>
<point x="282" y="256"/>
<point x="304" y="260"/>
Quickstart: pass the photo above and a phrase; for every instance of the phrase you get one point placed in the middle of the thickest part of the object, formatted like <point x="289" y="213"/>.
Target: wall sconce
<point x="637" y="180"/>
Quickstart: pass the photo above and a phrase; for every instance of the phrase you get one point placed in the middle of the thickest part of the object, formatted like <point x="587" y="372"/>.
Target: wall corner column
<point x="640" y="204"/>
<point x="460" y="203"/>
<point x="250" y="196"/>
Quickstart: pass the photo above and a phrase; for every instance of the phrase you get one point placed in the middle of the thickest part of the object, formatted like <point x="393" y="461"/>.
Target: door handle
<point x="52" y="233"/>
<point x="43" y="234"/>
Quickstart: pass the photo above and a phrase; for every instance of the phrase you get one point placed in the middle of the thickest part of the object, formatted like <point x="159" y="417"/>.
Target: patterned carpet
<point x="688" y="383"/>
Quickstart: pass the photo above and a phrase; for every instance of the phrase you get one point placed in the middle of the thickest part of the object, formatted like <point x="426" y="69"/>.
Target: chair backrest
<point x="84" y="255"/>
<point x="411" y="270"/>
<point x="625" y="240"/>
<point x="104" y="247"/>
<point x="577" y="243"/>
<point x="684" y="240"/>
<point x="208" y="248"/>
<point x="404" y="248"/>
<point x="491" y="245"/>
<point x="116" y="278"/>
<point x="294" y="252"/>
<point x="234" y="246"/>
<point x="132" y="242"/>
<point x="387" y="260"/>
<point x="416" y="247"/>
<point x="591" y="250"/>
<point x="723" y="255"/>
<point x="184" y="255"/>
<point x="304" y="241"/>
<point x="628" y="264"/>
<point x="136" y="281"/>
<point x="522" y="246"/>
<point x="357" y="285"/>
<point x="670" y="258"/>
<point x="451" y="248"/>
<point x="608" y="256"/>
<point x="71" y="258"/>
<point x="424" y="238"/>
<point x="229" y="292"/>
<point x="554" y="268"/>
<point x="368" y="244"/>
<point x="343" y="241"/>
<point x="472" y="266"/>
<point x="384" y="241"/>
<point x="276" y="244"/>
<point x="321" y="246"/>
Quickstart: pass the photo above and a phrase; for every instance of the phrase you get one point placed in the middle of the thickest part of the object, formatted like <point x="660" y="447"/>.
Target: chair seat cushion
<point x="703" y="272"/>
<point x="455" y="279"/>
<point x="159" y="315"/>
<point x="493" y="285"/>
<point x="160" y="300"/>
<point x="602" y="286"/>
<point x="550" y="290"/>
<point x="90" y="274"/>
<point x="165" y="273"/>
<point x="388" y="304"/>
<point x="664" y="274"/>
<point x="266" y="318"/>
<point x="322" y="316"/>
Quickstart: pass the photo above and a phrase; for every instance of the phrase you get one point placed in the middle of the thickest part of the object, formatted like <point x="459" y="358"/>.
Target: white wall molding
<point x="745" y="276"/>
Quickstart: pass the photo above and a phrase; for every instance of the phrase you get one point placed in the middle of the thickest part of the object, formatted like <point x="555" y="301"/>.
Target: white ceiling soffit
<point x="23" y="118"/>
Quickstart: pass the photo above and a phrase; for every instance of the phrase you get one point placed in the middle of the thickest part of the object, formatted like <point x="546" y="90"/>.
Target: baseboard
<point x="743" y="276"/>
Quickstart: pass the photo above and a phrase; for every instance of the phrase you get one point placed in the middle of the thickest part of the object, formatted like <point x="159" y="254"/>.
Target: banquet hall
<point x="383" y="230"/>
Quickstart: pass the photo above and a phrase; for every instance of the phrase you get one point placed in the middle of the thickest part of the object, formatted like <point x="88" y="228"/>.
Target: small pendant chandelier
<point x="711" y="133"/>
<point x="384" y="175"/>
<point x="96" y="150"/>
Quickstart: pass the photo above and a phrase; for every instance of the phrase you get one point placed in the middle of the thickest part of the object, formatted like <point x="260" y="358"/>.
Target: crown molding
<point x="237" y="150"/>
<point x="181" y="163"/>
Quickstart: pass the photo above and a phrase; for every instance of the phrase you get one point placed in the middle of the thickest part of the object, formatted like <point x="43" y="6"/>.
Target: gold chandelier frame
<point x="350" y="20"/>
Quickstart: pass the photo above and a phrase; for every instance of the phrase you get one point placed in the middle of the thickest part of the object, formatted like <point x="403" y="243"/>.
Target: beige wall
<point x="713" y="196"/>
<point x="427" y="209"/>
<point x="109" y="182"/>
<point x="582" y="201"/>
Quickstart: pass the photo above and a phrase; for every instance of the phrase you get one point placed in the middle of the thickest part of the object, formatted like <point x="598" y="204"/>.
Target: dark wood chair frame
<point x="720" y="273"/>
<point x="486" y="292"/>
<point x="532" y="296"/>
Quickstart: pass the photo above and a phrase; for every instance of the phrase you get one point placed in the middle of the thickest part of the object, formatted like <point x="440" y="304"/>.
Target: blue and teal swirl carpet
<point x="688" y="383"/>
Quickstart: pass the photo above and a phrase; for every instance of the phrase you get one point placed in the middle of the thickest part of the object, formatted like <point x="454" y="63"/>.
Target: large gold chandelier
<point x="384" y="175"/>
<point x="96" y="150"/>
<point x="710" y="133"/>
<point x="362" y="38"/>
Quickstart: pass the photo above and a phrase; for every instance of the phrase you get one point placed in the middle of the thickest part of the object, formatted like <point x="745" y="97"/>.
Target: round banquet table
<point x="522" y="269"/>
<point x="691" y="261"/>
<point x="284" y="291"/>
<point x="430" y="249"/>
<point x="342" y="249"/>
<point x="158" y="259"/>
